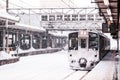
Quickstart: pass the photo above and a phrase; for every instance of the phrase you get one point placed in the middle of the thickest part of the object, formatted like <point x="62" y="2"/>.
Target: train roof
<point x="98" y="32"/>
<point x="93" y="31"/>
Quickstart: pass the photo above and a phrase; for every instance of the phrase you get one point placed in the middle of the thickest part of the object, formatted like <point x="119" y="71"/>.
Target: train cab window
<point x="73" y="41"/>
<point x="83" y="43"/>
<point x="25" y="41"/>
<point x="73" y="44"/>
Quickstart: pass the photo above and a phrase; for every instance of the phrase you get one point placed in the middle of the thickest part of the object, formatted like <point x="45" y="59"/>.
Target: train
<point x="86" y="48"/>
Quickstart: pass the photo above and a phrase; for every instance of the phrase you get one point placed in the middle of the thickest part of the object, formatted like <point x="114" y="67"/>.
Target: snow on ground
<point x="38" y="67"/>
<point x="53" y="66"/>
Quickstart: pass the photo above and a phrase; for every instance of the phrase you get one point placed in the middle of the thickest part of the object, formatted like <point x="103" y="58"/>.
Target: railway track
<point x="76" y="75"/>
<point x="69" y="75"/>
<point x="84" y="75"/>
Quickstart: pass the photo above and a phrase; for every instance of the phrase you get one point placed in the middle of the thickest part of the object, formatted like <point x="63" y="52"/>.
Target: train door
<point x="83" y="42"/>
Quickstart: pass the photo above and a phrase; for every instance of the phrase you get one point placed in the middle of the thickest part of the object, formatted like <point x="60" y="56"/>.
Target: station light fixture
<point x="110" y="14"/>
<point x="106" y="2"/>
<point x="108" y="11"/>
<point x="111" y="18"/>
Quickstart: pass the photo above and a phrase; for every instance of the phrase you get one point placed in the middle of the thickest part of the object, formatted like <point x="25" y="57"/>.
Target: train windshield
<point x="73" y="41"/>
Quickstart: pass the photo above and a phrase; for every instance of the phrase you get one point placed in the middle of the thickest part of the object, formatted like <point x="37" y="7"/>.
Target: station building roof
<point x="4" y="16"/>
<point x="29" y="27"/>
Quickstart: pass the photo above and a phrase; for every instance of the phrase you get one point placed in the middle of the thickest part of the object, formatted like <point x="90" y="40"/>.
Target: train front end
<point x="83" y="50"/>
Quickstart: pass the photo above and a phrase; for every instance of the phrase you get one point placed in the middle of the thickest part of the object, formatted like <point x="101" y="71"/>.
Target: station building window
<point x="44" y="18"/>
<point x="51" y="17"/>
<point x="36" y="41"/>
<point x="90" y="17"/>
<point x="11" y="40"/>
<point x="59" y="17"/>
<point x="8" y="40"/>
<point x="44" y="41"/>
<point x="82" y="17"/>
<point x="25" y="41"/>
<point x="66" y="17"/>
<point x="74" y="17"/>
<point x="2" y="22"/>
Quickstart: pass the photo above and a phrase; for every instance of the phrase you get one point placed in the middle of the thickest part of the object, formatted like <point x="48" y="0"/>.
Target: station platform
<point x="16" y="56"/>
<point x="104" y="70"/>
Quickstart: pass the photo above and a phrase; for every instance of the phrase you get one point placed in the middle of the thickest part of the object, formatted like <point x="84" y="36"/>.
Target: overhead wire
<point x="22" y="7"/>
<point x="25" y="3"/>
<point x="13" y="4"/>
<point x="66" y="4"/>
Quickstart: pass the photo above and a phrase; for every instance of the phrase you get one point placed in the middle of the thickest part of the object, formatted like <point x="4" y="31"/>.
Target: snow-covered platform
<point x="8" y="61"/>
<point x="36" y="51"/>
<point x="104" y="70"/>
<point x="55" y="67"/>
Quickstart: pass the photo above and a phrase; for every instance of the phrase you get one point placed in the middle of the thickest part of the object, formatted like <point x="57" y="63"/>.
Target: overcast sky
<point x="51" y="3"/>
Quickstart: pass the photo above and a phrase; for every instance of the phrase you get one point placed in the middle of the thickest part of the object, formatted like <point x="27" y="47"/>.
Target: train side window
<point x="1" y="40"/>
<point x="93" y="41"/>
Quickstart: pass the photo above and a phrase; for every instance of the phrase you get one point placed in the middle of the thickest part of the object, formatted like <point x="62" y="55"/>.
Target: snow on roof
<point x="5" y="15"/>
<point x="29" y="27"/>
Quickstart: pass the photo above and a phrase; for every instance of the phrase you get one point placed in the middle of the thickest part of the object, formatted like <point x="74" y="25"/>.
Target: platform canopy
<point x="5" y="16"/>
<point x="108" y="9"/>
<point x="29" y="27"/>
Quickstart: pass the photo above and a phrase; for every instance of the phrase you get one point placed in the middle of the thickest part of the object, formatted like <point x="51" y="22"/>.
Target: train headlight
<point x="82" y="62"/>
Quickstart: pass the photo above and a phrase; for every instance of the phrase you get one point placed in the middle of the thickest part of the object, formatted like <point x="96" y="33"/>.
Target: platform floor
<point x="104" y="70"/>
<point x="56" y="67"/>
